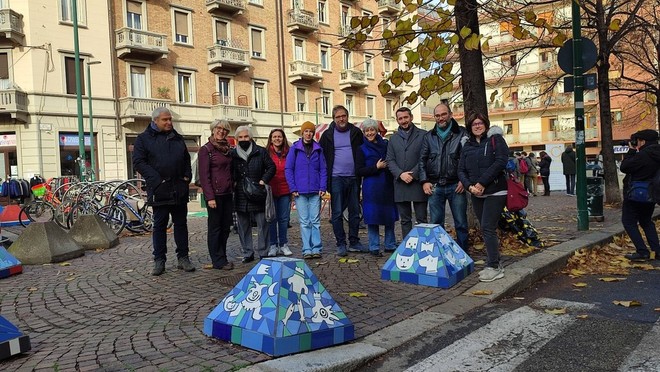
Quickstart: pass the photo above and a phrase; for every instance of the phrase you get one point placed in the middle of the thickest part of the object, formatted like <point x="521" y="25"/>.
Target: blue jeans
<point x="278" y="228"/>
<point x="179" y="215"/>
<point x="458" y="205"/>
<point x="309" y="215"/>
<point x="570" y="184"/>
<point x="374" y="237"/>
<point x="344" y="195"/>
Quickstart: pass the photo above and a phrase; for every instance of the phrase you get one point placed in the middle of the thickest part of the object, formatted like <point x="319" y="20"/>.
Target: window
<point x="224" y="96"/>
<point x="371" y="103"/>
<point x="259" y="95"/>
<point x="257" y="41"/>
<point x="297" y="4"/>
<point x="4" y="71"/>
<point x="70" y="75"/>
<point x="545" y="57"/>
<point x="326" y="102"/>
<point x="345" y="15"/>
<point x="348" y="59"/>
<point x="221" y="32"/>
<point x="301" y="99"/>
<point x="184" y="86"/>
<point x="387" y="65"/>
<point x="617" y="117"/>
<point x="323" y="11"/>
<point x="257" y="2"/>
<point x="66" y="11"/>
<point x="134" y="15"/>
<point x="367" y="14"/>
<point x="348" y="103"/>
<point x="298" y="50"/>
<point x="325" y="56"/>
<point x="182" y="27"/>
<point x="138" y="81"/>
<point x="388" y="108"/>
<point x="368" y="65"/>
<point x="511" y="126"/>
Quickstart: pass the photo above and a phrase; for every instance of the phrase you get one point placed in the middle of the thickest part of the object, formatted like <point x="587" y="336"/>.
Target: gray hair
<point x="369" y="123"/>
<point x="159" y="110"/>
<point x="243" y="128"/>
<point x="222" y="123"/>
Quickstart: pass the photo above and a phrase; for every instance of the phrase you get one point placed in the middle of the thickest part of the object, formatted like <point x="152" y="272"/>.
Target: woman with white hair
<point x="378" y="206"/>
<point x="214" y="162"/>
<point x="252" y="169"/>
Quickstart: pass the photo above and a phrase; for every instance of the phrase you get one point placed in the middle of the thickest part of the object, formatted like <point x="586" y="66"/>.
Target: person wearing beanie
<point x="640" y="165"/>
<point x="307" y="125"/>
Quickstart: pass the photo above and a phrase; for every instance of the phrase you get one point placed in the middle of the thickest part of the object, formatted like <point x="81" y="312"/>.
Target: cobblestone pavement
<point x="104" y="311"/>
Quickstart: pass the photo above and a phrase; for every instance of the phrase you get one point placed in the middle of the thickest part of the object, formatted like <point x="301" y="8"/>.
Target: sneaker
<point x="285" y="250"/>
<point x="358" y="247"/>
<point x="185" y="264"/>
<point x="490" y="274"/>
<point x="272" y="251"/>
<point x="248" y="259"/>
<point x="307" y="256"/>
<point x="341" y="251"/>
<point x="316" y="255"/>
<point x="376" y="253"/>
<point x="637" y="257"/>
<point x="159" y="267"/>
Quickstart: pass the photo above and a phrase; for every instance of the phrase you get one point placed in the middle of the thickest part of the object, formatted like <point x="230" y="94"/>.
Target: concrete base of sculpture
<point x="92" y="233"/>
<point x="428" y="256"/>
<point x="45" y="242"/>
<point x="9" y="265"/>
<point x="279" y="308"/>
<point x="12" y="341"/>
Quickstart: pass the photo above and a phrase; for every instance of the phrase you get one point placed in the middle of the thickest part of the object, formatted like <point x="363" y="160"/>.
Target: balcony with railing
<point x="13" y="101"/>
<point x="11" y="27"/>
<point x="344" y="31"/>
<point x="224" y="7"/>
<point x="388" y="7"/>
<point x="564" y="135"/>
<point x="224" y="107"/>
<point x="140" y="44"/>
<point x="134" y="108"/>
<point x="229" y="55"/>
<point x="302" y="21"/>
<point x="303" y="71"/>
<point x="352" y="79"/>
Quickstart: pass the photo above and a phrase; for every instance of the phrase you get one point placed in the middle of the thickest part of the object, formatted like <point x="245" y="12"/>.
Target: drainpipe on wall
<point x="281" y="62"/>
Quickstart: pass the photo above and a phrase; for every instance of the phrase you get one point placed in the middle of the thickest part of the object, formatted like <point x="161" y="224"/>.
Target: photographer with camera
<point x="640" y="165"/>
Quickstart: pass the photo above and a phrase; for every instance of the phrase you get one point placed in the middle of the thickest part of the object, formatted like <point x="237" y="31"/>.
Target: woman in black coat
<point x="251" y="161"/>
<point x="544" y="170"/>
<point x="481" y="171"/>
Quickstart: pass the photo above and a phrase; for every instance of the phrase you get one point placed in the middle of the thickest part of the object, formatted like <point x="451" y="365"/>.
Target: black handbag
<point x="254" y="192"/>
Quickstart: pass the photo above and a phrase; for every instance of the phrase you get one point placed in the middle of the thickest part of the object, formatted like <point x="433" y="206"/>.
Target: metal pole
<point x="91" y="119"/>
<point x="578" y="97"/>
<point x="76" y="51"/>
<point x="316" y="111"/>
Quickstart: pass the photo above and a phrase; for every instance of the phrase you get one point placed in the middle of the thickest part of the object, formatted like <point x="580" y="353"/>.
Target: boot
<point x="159" y="267"/>
<point x="185" y="264"/>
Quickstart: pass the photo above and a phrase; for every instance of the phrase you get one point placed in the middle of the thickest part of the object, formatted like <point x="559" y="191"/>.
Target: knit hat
<point x="307" y="125"/>
<point x="647" y="135"/>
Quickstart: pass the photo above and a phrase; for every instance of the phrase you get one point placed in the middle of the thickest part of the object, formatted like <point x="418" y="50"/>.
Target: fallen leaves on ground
<point x="207" y="266"/>
<point x="482" y="292"/>
<point x="348" y="260"/>
<point x="33" y="289"/>
<point x="579" y="285"/>
<point x="358" y="294"/>
<point x="582" y="316"/>
<point x="557" y="311"/>
<point x="510" y="245"/>
<point x="65" y="264"/>
<point x="319" y="263"/>
<point x="627" y="303"/>
<point x="605" y="259"/>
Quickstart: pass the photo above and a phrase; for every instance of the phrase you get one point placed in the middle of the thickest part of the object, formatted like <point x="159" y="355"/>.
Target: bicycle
<point x="45" y="206"/>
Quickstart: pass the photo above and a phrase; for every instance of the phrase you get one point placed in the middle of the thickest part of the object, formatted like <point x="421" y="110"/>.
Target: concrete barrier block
<point x="45" y="242"/>
<point x="92" y="233"/>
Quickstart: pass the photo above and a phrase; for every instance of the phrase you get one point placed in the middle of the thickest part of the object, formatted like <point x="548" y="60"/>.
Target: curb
<point x="520" y="275"/>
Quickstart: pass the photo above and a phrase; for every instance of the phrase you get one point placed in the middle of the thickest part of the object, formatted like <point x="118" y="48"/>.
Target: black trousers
<point x="219" y="224"/>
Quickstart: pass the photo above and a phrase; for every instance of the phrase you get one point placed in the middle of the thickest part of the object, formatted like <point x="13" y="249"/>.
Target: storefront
<point x="192" y="142"/>
<point x="8" y="157"/>
<point x="70" y="151"/>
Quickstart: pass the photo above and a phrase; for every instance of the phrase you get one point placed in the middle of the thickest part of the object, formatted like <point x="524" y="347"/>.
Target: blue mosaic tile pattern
<point x="428" y="256"/>
<point x="9" y="265"/>
<point x="12" y="341"/>
<point x="279" y="308"/>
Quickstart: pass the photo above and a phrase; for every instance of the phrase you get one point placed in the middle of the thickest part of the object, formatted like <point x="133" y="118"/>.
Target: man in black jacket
<point x="438" y="172"/>
<point x="340" y="143"/>
<point x="160" y="155"/>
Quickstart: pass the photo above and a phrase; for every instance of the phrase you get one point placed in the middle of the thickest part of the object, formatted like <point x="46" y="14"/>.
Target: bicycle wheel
<point x="36" y="211"/>
<point x="79" y="209"/>
<point x="114" y="217"/>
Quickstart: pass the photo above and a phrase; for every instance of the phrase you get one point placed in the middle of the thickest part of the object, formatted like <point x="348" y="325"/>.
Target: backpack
<point x="524" y="168"/>
<point x="510" y="166"/>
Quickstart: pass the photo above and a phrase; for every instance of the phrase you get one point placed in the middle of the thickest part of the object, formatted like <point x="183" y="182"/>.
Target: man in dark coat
<point x="568" y="161"/>
<point x="340" y="144"/>
<point x="160" y="155"/>
<point x="253" y="162"/>
<point x="403" y="162"/>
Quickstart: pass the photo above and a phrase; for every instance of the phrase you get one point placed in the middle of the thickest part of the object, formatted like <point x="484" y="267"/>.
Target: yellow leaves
<point x="412" y="98"/>
<point x="485" y="46"/>
<point x="480" y="262"/>
<point x="575" y="273"/>
<point x="355" y="22"/>
<point x="131" y="270"/>
<point x="556" y="311"/>
<point x="408" y="76"/>
<point x="530" y="16"/>
<point x="615" y="25"/>
<point x="207" y="267"/>
<point x="492" y="96"/>
<point x="582" y="316"/>
<point x="465" y="31"/>
<point x="627" y="303"/>
<point x="319" y="263"/>
<point x="472" y="42"/>
<point x="579" y="285"/>
<point x="348" y="260"/>
<point x="482" y="292"/>
<point x="33" y="289"/>
<point x="454" y="39"/>
<point x="65" y="264"/>
<point x="412" y="56"/>
<point x="358" y="294"/>
<point x="611" y="279"/>
<point x="384" y="88"/>
<point x="559" y="40"/>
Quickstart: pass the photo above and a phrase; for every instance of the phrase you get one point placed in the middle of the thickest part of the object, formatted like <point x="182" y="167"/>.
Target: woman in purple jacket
<point x="306" y="175"/>
<point x="214" y="163"/>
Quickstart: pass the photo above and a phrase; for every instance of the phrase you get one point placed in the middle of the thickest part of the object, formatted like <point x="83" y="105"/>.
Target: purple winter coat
<point x="214" y="172"/>
<point x="306" y="175"/>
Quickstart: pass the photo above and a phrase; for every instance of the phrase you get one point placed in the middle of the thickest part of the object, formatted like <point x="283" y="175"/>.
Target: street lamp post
<point x="91" y="119"/>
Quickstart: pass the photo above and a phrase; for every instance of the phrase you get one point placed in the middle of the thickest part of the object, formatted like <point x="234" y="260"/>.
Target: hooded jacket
<point x="438" y="160"/>
<point x="306" y="174"/>
<point x="568" y="161"/>
<point x="484" y="162"/>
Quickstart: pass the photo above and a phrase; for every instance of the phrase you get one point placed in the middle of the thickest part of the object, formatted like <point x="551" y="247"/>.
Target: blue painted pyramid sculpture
<point x="9" y="265"/>
<point x="279" y="308"/>
<point x="428" y="256"/>
<point x="12" y="341"/>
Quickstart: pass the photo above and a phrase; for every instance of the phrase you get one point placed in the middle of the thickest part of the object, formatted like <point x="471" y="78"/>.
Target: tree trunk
<point x="472" y="69"/>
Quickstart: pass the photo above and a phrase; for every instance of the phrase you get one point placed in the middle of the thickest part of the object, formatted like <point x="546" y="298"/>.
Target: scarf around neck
<point x="221" y="145"/>
<point x="243" y="154"/>
<point x="444" y="133"/>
